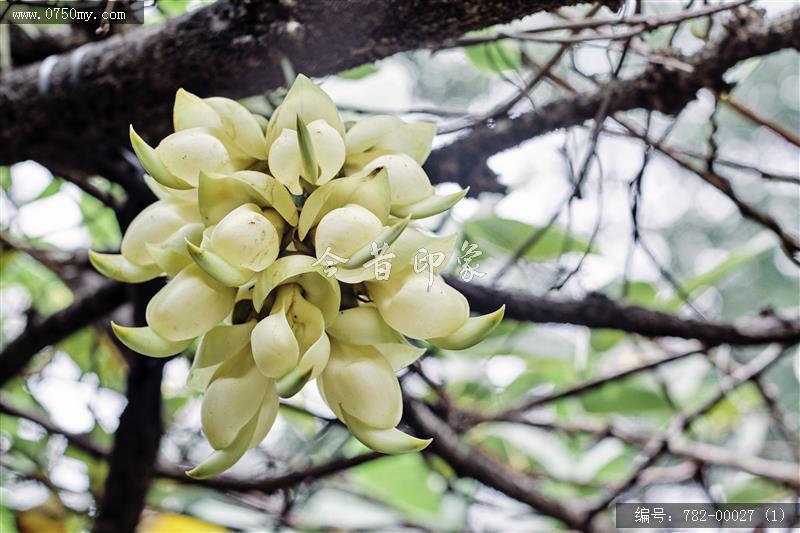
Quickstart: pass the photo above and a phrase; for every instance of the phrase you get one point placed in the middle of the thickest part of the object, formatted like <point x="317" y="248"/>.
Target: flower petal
<point x="189" y="305"/>
<point x="329" y="149"/>
<point x="241" y="126"/>
<point x="185" y="153"/>
<point x="233" y="397"/>
<point x="432" y="205"/>
<point x="218" y="268"/>
<point x="345" y="231"/>
<point x="147" y="342"/>
<point x="220" y="343"/>
<point x="171" y="256"/>
<point x="414" y="309"/>
<point x="221" y="460"/>
<point x="306" y="100"/>
<point x="246" y="238"/>
<point x="116" y="266"/>
<point x="400" y="354"/>
<point x="285" y="162"/>
<point x="266" y="415"/>
<point x="473" y="331"/>
<point x="191" y="111"/>
<point x="275" y="348"/>
<point x="391" y="441"/>
<point x="154" y="225"/>
<point x="362" y="325"/>
<point x="359" y="380"/>
<point x="407" y="180"/>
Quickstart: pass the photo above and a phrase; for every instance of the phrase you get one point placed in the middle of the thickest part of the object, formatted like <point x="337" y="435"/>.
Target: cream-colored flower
<point x="360" y="387"/>
<point x="290" y="345"/>
<point x="189" y="305"/>
<point x="153" y="228"/>
<point x="317" y="162"/>
<point x="412" y="194"/>
<point x="385" y="134"/>
<point x="248" y="273"/>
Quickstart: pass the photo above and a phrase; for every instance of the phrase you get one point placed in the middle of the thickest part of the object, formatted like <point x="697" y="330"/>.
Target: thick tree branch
<point x="659" y="88"/>
<point x="232" y="48"/>
<point x="470" y="462"/>
<point x="96" y="302"/>
<point x="599" y="311"/>
<point x="132" y="460"/>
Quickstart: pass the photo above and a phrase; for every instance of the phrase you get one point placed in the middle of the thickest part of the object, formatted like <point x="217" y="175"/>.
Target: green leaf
<point x="48" y="293"/>
<point x="699" y="27"/>
<point x="361" y="71"/>
<point x="628" y="396"/>
<point x="402" y="482"/>
<point x="602" y="340"/>
<point x="52" y="188"/>
<point x="495" y="234"/>
<point x="5" y="178"/>
<point x="100" y="222"/>
<point x="757" y="490"/>
<point x="95" y="353"/>
<point x="497" y="56"/>
<point x="641" y="293"/>
<point x="7" y="522"/>
<point x="735" y="260"/>
<point x="558" y="371"/>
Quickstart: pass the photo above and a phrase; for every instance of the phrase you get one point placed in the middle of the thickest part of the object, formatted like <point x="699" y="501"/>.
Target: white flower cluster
<point x="246" y="210"/>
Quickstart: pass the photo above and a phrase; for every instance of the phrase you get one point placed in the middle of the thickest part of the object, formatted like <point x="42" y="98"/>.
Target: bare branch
<point x="599" y="311"/>
<point x="659" y="88"/>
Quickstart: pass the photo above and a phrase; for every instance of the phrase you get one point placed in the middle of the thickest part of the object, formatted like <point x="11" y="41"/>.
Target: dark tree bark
<point x="133" y="457"/>
<point x="74" y="109"/>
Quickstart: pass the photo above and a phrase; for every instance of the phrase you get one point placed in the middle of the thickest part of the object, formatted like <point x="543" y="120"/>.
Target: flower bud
<point x="246" y="238"/>
<point x="187" y="152"/>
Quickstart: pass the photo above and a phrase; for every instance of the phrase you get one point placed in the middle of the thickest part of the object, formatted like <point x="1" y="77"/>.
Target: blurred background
<point x="589" y="208"/>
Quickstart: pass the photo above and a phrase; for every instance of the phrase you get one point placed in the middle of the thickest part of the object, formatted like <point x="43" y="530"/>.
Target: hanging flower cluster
<point x="290" y="250"/>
